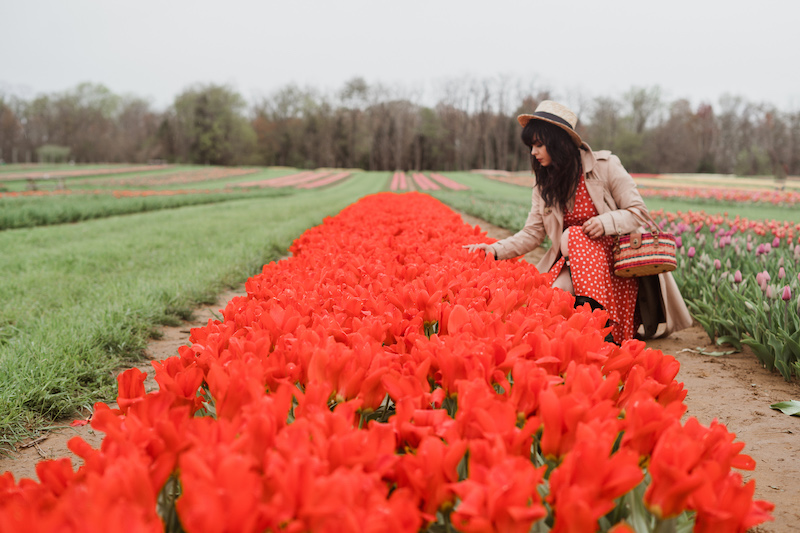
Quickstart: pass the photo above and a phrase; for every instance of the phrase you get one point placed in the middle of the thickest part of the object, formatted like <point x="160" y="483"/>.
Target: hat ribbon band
<point x="554" y="118"/>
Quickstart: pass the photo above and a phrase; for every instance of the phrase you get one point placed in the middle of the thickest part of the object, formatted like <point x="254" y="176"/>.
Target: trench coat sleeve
<point x="623" y="191"/>
<point x="528" y="238"/>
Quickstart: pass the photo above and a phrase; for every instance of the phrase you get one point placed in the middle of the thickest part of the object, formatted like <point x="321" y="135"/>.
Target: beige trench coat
<point x="613" y="192"/>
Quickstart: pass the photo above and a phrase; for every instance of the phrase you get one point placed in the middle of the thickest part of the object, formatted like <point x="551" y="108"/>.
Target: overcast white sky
<point x="696" y="49"/>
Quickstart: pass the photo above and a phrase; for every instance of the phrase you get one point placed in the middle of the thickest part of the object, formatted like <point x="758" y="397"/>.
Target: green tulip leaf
<point x="791" y="408"/>
<point x="730" y="339"/>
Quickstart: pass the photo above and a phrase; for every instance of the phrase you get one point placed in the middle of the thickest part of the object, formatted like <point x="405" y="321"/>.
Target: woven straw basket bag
<point x="641" y="253"/>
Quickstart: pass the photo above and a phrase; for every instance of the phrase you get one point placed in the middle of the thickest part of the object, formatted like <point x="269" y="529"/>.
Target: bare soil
<point x="734" y="389"/>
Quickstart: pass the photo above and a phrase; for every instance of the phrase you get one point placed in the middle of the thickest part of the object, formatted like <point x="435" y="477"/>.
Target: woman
<point x="581" y="199"/>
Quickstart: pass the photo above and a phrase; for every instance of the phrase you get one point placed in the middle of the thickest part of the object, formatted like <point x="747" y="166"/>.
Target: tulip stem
<point x="665" y="526"/>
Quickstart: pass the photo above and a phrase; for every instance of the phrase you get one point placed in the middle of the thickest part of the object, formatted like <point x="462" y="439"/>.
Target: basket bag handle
<point x="646" y="220"/>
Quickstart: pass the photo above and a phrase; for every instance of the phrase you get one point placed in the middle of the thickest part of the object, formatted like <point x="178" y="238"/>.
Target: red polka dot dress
<point x="591" y="266"/>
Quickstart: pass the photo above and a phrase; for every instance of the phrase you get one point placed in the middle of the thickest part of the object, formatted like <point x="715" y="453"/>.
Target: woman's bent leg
<point x="564" y="281"/>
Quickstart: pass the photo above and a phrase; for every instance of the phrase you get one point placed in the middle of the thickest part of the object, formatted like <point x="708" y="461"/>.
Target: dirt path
<point x="734" y="389"/>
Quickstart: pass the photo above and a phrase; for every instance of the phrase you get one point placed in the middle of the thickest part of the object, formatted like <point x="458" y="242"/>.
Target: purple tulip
<point x="760" y="250"/>
<point x="678" y="241"/>
<point x="787" y="294"/>
<point x="737" y="276"/>
<point x="691" y="251"/>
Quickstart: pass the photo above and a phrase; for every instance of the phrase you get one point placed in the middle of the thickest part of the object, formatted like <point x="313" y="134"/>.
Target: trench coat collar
<point x="594" y="185"/>
<point x="588" y="159"/>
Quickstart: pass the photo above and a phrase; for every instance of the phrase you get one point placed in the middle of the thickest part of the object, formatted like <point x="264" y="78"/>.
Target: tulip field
<point x="380" y="377"/>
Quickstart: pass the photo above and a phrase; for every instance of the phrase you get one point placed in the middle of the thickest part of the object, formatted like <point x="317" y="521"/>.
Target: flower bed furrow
<point x="384" y="378"/>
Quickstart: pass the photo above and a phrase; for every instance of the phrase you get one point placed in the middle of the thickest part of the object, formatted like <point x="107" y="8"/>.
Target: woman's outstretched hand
<point x="593" y="228"/>
<point x="479" y="246"/>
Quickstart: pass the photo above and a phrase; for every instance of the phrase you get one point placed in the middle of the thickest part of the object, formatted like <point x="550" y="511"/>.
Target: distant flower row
<point x="400" y="182"/>
<point x="301" y="180"/>
<point x="122" y="193"/>
<point x="172" y="178"/>
<point x="8" y="176"/>
<point x="786" y="197"/>
<point x="774" y="197"/>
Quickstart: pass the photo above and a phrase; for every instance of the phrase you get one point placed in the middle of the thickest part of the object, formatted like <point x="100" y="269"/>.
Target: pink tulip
<point x="770" y="295"/>
<point x="787" y="294"/>
<point x="678" y="242"/>
<point x="776" y="242"/>
<point x="737" y="276"/>
<point x="691" y="251"/>
<point x="749" y="246"/>
<point x="781" y="273"/>
<point x="766" y="276"/>
<point x="717" y="264"/>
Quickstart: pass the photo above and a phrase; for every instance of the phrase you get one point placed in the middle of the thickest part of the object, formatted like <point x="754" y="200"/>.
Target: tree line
<point x="471" y="125"/>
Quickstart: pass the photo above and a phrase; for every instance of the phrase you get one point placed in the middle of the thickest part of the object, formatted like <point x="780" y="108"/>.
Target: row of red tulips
<point x="384" y="379"/>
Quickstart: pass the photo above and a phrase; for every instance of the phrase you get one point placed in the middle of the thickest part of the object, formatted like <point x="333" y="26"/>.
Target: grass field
<point x="78" y="301"/>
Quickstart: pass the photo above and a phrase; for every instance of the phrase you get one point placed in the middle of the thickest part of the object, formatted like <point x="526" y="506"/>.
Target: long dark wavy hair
<point x="557" y="182"/>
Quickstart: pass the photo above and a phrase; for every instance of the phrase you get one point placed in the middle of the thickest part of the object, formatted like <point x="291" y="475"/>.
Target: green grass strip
<point x="79" y="301"/>
<point x="31" y="211"/>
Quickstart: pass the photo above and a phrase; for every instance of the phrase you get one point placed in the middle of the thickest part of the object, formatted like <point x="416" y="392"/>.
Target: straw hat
<point x="557" y="114"/>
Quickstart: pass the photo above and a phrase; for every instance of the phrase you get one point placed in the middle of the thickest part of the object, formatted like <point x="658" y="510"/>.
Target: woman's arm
<point x="528" y="238"/>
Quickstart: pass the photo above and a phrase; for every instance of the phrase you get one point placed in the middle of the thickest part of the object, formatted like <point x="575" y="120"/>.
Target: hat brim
<point x="524" y="119"/>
